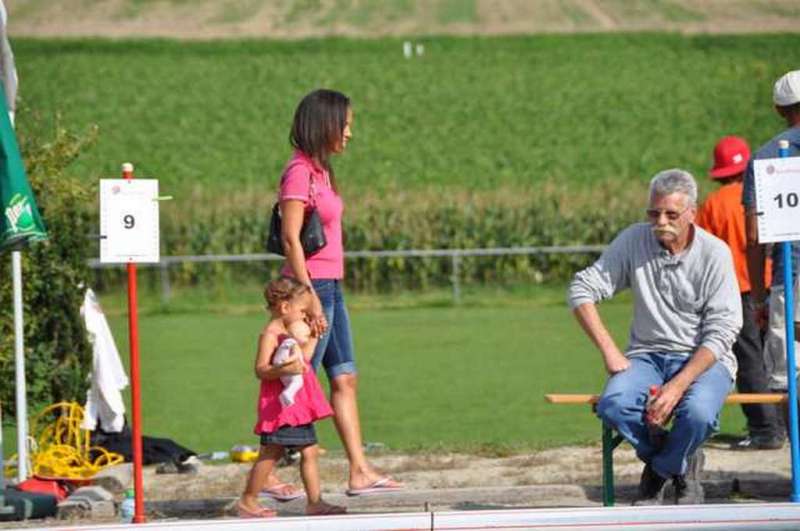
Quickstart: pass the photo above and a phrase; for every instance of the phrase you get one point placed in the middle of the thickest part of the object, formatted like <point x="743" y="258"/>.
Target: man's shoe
<point x="686" y="488"/>
<point x="758" y="443"/>
<point x="651" y="487"/>
<point x="688" y="491"/>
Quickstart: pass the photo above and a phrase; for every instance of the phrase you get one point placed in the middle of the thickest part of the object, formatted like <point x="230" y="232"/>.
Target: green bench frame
<point x="612" y="440"/>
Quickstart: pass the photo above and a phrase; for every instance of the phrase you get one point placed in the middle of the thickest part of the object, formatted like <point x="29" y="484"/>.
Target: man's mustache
<point x="665" y="230"/>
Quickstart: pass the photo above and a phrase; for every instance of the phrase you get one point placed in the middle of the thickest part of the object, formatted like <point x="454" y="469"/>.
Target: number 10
<point x="791" y="200"/>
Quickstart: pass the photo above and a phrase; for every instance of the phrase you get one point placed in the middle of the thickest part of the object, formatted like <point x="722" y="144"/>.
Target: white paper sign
<point x="129" y="221"/>
<point x="778" y="199"/>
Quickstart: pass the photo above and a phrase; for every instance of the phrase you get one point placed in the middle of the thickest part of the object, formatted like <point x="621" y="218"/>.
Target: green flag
<point x="20" y="220"/>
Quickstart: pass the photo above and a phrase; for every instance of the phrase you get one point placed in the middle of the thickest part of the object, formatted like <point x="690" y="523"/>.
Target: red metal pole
<point x="133" y="332"/>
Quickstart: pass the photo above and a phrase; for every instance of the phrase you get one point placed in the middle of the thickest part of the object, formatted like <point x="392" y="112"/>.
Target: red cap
<point x="731" y="155"/>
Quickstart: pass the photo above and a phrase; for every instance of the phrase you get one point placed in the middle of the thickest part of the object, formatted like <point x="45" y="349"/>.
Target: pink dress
<point x="309" y="405"/>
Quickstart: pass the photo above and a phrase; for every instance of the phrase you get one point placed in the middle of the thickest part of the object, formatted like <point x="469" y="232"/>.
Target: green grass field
<point x="433" y="376"/>
<point x="471" y="112"/>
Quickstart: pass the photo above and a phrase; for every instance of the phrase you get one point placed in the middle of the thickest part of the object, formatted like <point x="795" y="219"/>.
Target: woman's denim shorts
<point x="335" y="348"/>
<point x="291" y="436"/>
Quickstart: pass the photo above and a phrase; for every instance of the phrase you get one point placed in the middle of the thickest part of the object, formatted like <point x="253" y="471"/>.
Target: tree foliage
<point x="58" y="355"/>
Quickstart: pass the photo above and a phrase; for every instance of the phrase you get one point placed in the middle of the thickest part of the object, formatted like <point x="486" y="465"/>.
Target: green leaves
<point x="58" y="356"/>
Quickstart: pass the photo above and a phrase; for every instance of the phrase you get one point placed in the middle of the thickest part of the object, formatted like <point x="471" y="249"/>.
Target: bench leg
<point x="609" y="443"/>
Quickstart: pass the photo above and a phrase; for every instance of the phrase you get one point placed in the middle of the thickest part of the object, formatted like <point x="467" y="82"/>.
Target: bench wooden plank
<point x="733" y="398"/>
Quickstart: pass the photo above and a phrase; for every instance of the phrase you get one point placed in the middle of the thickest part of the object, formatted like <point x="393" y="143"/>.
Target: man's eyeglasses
<point x="672" y="215"/>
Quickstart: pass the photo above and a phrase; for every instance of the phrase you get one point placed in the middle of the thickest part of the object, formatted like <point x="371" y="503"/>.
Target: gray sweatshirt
<point x="681" y="302"/>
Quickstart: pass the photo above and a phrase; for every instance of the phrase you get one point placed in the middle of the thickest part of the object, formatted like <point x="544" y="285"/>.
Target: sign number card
<point x="778" y="199"/>
<point x="129" y="221"/>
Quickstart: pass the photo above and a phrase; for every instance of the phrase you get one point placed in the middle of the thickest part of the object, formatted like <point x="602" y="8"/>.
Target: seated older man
<point x="687" y="314"/>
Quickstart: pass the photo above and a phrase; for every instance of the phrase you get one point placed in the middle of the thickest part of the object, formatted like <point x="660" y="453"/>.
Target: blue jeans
<point x="695" y="418"/>
<point x="335" y="348"/>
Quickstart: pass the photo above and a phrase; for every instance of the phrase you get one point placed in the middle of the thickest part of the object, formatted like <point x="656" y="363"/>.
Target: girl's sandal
<point x="263" y="512"/>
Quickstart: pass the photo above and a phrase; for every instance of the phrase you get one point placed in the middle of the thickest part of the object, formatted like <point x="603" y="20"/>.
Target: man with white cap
<point x="770" y="312"/>
<point x="722" y="215"/>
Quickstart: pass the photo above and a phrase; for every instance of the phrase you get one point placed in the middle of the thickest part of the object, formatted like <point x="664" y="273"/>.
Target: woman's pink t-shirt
<point x="296" y="183"/>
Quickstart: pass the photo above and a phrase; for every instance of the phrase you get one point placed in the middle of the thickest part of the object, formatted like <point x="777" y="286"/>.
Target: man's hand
<point x="615" y="362"/>
<point x="590" y="321"/>
<point x="664" y="403"/>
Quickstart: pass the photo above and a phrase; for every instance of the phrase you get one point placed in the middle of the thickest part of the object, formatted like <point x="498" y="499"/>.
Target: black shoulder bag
<point x="312" y="237"/>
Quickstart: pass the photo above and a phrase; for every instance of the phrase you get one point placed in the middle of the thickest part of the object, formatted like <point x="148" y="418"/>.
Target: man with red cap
<point x="722" y="214"/>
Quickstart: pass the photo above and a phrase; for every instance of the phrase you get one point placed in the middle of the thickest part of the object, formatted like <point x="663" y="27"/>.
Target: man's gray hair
<point x="674" y="181"/>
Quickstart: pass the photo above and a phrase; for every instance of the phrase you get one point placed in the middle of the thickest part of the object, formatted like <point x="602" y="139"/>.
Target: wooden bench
<point x="611" y="441"/>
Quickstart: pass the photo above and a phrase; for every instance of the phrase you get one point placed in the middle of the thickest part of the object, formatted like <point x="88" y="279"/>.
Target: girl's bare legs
<point x="309" y="470"/>
<point x="345" y="406"/>
<point x="262" y="468"/>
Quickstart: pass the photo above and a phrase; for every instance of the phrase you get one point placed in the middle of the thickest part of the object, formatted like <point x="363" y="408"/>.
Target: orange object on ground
<point x="44" y="486"/>
<point x="722" y="214"/>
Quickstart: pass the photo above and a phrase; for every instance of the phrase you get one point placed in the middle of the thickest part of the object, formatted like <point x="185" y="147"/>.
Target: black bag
<point x="312" y="237"/>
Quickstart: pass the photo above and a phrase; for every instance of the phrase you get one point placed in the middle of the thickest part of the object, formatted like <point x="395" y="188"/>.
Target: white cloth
<point x="292" y="382"/>
<point x="104" y="397"/>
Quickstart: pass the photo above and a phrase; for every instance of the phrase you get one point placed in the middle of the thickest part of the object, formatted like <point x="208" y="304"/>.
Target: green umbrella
<point x="20" y="220"/>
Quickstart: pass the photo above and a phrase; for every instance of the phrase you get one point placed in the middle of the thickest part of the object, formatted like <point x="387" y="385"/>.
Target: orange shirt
<point x="722" y="214"/>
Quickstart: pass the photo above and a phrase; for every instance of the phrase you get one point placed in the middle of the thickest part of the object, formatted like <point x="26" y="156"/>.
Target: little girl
<point x="286" y="426"/>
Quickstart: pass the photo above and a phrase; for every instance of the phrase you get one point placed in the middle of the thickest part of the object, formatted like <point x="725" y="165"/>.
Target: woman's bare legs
<point x="344" y="399"/>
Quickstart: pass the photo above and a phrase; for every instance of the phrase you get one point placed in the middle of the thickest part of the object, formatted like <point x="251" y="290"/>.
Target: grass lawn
<point x="472" y="112"/>
<point x="433" y="376"/>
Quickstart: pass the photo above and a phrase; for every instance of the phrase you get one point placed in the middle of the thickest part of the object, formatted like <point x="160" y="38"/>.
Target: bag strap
<point x="312" y="191"/>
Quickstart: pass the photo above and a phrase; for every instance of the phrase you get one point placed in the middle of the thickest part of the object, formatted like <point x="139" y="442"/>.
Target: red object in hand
<point x="651" y="397"/>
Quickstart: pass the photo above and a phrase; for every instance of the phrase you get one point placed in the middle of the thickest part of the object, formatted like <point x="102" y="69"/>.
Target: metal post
<point x="136" y="432"/>
<point x="455" y="279"/>
<point x="19" y="366"/>
<point x="791" y="370"/>
<point x="608" y="466"/>
<point x="166" y="292"/>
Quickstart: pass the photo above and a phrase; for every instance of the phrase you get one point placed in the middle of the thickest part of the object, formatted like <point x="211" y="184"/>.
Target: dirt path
<point x="559" y="477"/>
<point x="559" y="466"/>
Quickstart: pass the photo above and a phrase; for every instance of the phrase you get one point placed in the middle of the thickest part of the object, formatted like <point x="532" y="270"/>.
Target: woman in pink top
<point x="321" y="128"/>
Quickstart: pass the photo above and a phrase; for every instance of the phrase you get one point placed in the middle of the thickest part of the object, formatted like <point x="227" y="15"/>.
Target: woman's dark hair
<point x="318" y="125"/>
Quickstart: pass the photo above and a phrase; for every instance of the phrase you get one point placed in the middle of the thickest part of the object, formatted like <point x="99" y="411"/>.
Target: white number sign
<point x="129" y="221"/>
<point x="778" y="199"/>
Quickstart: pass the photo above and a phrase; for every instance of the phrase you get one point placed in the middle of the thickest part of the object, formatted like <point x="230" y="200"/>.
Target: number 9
<point x="128" y="221"/>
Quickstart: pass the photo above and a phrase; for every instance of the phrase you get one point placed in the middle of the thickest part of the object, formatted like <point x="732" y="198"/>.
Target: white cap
<point x="787" y="89"/>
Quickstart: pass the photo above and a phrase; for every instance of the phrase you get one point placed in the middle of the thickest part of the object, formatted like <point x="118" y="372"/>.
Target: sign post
<point x="778" y="198"/>
<point x="130" y="235"/>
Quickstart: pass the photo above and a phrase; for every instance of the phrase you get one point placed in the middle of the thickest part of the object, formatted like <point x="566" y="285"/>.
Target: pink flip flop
<point x="384" y="484"/>
<point x="263" y="512"/>
<point x="278" y="492"/>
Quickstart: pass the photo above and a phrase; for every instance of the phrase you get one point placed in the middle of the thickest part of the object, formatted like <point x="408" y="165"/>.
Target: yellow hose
<point x="62" y="449"/>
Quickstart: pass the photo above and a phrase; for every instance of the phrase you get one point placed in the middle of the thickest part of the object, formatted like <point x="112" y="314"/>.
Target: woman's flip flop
<point x="384" y="484"/>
